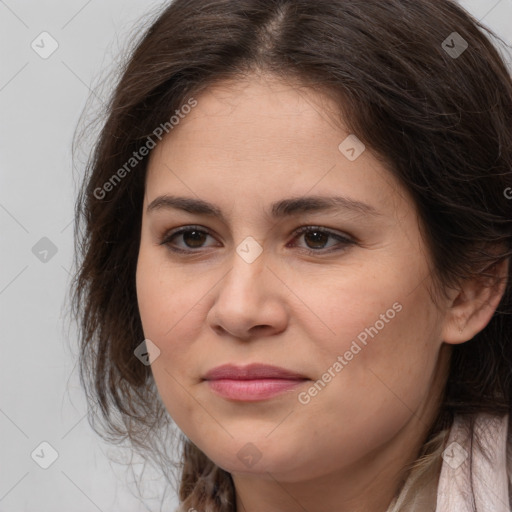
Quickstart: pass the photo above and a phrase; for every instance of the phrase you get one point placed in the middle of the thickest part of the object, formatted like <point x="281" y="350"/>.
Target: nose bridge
<point x="247" y="268"/>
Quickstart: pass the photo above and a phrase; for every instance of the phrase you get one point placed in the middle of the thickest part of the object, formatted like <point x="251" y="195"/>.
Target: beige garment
<point x="490" y="477"/>
<point x="462" y="461"/>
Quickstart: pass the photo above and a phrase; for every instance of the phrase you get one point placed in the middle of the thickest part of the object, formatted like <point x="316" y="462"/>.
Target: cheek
<point x="169" y="308"/>
<point x="166" y="299"/>
<point x="384" y="358"/>
<point x="381" y="383"/>
<point x="371" y="316"/>
<point x="381" y="348"/>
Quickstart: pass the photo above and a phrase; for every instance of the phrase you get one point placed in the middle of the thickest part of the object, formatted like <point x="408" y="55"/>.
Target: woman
<point x="295" y="234"/>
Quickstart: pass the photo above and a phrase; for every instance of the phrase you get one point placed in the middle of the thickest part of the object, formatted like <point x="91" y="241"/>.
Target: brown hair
<point x="441" y="121"/>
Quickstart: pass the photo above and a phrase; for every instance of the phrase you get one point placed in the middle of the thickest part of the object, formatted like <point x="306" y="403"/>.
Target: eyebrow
<point x="280" y="209"/>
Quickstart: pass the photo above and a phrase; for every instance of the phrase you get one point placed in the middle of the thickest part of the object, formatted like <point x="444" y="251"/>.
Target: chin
<point x="259" y="456"/>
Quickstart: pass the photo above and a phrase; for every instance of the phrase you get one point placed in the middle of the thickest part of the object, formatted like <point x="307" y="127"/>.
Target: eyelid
<point x="168" y="236"/>
<point x="343" y="239"/>
<point x="323" y="229"/>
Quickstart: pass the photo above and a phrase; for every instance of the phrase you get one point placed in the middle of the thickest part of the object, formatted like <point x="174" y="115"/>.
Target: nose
<point x="249" y="301"/>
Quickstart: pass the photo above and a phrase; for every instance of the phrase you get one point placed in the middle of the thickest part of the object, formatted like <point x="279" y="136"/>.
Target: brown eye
<point x="317" y="238"/>
<point x="194" y="238"/>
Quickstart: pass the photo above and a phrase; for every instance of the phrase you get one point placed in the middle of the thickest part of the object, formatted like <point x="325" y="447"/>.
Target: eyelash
<point x="343" y="241"/>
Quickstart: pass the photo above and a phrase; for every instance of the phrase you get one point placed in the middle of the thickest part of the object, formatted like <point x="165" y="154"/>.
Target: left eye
<point x="316" y="239"/>
<point x="317" y="236"/>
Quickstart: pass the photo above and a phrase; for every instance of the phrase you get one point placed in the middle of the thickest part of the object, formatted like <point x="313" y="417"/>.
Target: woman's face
<point x="352" y="320"/>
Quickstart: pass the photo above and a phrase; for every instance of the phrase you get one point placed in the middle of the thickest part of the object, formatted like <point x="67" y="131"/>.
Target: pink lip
<point x="253" y="382"/>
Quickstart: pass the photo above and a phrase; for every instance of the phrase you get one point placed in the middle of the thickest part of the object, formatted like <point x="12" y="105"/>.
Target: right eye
<point x="192" y="236"/>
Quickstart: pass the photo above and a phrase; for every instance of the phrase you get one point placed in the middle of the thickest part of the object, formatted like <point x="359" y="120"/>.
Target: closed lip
<point x="251" y="372"/>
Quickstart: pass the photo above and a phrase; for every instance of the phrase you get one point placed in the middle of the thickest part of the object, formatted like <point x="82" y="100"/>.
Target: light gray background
<point x="40" y="398"/>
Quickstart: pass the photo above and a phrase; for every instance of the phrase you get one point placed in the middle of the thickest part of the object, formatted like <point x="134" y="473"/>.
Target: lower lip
<point x="252" y="390"/>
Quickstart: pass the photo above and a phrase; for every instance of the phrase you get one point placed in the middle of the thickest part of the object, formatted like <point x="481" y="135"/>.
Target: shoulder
<point x="477" y="464"/>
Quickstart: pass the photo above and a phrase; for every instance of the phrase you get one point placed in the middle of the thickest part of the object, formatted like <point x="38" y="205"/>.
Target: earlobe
<point x="474" y="305"/>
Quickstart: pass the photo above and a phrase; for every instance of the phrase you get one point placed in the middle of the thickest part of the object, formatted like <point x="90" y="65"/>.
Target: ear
<point x="473" y="304"/>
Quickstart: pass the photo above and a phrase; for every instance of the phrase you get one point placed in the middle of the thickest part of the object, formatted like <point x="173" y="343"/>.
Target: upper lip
<point x="251" y="371"/>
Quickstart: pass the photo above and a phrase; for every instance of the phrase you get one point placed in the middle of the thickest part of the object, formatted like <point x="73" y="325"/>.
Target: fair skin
<point x="245" y="146"/>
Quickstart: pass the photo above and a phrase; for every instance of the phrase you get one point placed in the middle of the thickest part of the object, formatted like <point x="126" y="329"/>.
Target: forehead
<point x="263" y="139"/>
<point x="240" y="117"/>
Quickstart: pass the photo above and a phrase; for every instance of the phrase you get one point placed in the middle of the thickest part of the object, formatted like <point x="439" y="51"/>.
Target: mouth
<point x="252" y="383"/>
